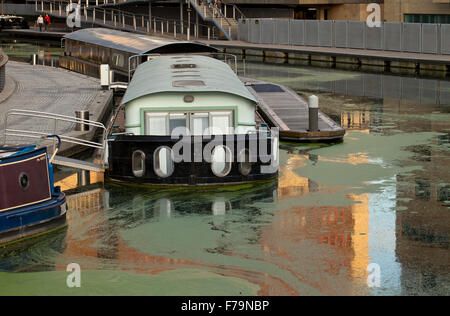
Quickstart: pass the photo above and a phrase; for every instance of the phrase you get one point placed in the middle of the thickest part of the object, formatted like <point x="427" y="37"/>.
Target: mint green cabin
<point x="198" y="93"/>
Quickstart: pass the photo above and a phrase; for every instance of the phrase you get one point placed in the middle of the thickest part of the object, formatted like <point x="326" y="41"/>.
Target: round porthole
<point x="221" y="161"/>
<point x="163" y="164"/>
<point x="245" y="166"/>
<point x="24" y="181"/>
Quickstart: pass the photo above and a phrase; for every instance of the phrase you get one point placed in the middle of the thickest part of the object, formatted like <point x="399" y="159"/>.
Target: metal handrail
<point x="135" y="57"/>
<point x="56" y="118"/>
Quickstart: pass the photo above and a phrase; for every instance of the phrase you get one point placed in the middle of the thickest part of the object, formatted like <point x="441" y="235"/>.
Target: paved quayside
<point x="53" y="90"/>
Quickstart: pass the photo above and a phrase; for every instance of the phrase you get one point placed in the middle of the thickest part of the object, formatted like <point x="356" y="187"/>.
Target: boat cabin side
<point x="197" y="113"/>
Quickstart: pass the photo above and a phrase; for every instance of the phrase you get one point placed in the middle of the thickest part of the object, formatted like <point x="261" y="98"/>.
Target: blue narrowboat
<point x="30" y="204"/>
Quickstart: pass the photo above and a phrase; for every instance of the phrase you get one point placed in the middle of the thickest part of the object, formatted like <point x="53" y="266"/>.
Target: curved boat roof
<point x="136" y="43"/>
<point x="184" y="73"/>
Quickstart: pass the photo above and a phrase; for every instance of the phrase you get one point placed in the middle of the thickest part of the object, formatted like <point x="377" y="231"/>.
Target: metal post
<point x="181" y="16"/>
<point x="209" y="33"/>
<point x="123" y="19"/>
<point x="189" y="22"/>
<point x="313" y="104"/>
<point x="134" y="22"/>
<point x="104" y="16"/>
<point x="175" y="29"/>
<point x="162" y="27"/>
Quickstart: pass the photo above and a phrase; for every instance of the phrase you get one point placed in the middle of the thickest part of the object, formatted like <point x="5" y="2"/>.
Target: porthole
<point x="275" y="149"/>
<point x="245" y="166"/>
<point x="163" y="164"/>
<point x="221" y="161"/>
<point x="24" y="181"/>
<point x="138" y="163"/>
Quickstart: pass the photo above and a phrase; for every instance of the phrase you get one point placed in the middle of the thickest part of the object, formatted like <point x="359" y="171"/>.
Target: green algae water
<point x="379" y="199"/>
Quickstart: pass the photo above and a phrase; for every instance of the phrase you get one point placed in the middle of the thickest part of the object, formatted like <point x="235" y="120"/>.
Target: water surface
<point x="380" y="197"/>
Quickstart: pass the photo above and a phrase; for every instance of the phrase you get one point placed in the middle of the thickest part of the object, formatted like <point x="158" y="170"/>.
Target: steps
<point x="227" y="25"/>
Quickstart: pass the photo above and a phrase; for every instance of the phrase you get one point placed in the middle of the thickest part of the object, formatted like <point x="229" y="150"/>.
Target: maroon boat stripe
<point x="12" y="194"/>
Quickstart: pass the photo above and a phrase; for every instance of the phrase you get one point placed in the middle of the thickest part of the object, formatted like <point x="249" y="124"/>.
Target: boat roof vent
<point x="188" y="83"/>
<point x="182" y="66"/>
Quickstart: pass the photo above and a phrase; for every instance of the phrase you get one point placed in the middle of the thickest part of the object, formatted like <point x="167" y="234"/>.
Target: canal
<point x="368" y="216"/>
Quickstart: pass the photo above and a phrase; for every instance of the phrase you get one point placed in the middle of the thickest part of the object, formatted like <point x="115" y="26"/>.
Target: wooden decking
<point x="283" y="108"/>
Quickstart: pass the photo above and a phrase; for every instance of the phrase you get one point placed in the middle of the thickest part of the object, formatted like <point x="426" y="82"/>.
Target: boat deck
<point x="283" y="108"/>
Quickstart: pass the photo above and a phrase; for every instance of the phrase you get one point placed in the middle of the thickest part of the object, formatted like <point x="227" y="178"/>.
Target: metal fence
<point x="3" y="61"/>
<point x="400" y="37"/>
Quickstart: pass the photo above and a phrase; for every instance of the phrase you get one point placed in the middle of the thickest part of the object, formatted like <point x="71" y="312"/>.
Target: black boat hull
<point x="192" y="172"/>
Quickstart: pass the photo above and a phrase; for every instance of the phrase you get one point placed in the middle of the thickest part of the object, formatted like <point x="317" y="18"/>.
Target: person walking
<point x="40" y="22"/>
<point x="47" y="22"/>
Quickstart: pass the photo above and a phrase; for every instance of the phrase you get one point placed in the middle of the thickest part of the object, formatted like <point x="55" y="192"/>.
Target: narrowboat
<point x="30" y="204"/>
<point x="86" y="49"/>
<point x="189" y="120"/>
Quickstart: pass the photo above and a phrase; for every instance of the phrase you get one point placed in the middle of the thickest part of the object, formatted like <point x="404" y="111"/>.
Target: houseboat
<point x="189" y="120"/>
<point x="85" y="50"/>
<point x="30" y="204"/>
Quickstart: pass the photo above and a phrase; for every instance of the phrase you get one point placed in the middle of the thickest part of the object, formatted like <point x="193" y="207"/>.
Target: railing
<point x="57" y="119"/>
<point x="3" y="61"/>
<point x="139" y="23"/>
<point x="133" y="63"/>
<point x="214" y="13"/>
<point x="426" y="38"/>
<point x="229" y="59"/>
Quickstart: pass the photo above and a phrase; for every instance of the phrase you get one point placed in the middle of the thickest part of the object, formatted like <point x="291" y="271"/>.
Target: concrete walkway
<point x="332" y="51"/>
<point x="48" y="89"/>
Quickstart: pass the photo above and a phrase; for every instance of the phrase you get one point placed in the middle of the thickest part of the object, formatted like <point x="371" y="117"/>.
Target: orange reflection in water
<point x="96" y="243"/>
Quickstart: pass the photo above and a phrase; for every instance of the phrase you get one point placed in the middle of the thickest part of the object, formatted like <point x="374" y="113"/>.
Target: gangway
<point x="57" y="119"/>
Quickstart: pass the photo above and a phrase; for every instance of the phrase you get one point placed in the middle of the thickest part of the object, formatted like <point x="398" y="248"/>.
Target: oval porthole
<point x="275" y="149"/>
<point x="221" y="161"/>
<point x="24" y="181"/>
<point x="163" y="164"/>
<point x="138" y="163"/>
<point x="245" y="166"/>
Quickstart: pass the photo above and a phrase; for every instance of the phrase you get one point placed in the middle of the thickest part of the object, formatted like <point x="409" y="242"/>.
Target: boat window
<point x="156" y="124"/>
<point x="221" y="122"/>
<point x="199" y="123"/>
<point x="138" y="163"/>
<point x="221" y="161"/>
<point x="118" y="60"/>
<point x="245" y="166"/>
<point x="162" y="162"/>
<point x="177" y="120"/>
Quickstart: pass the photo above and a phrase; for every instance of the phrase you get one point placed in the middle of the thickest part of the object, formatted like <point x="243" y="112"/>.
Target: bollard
<point x="34" y="59"/>
<point x="84" y="178"/>
<point x="313" y="104"/>
<point x="84" y="115"/>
